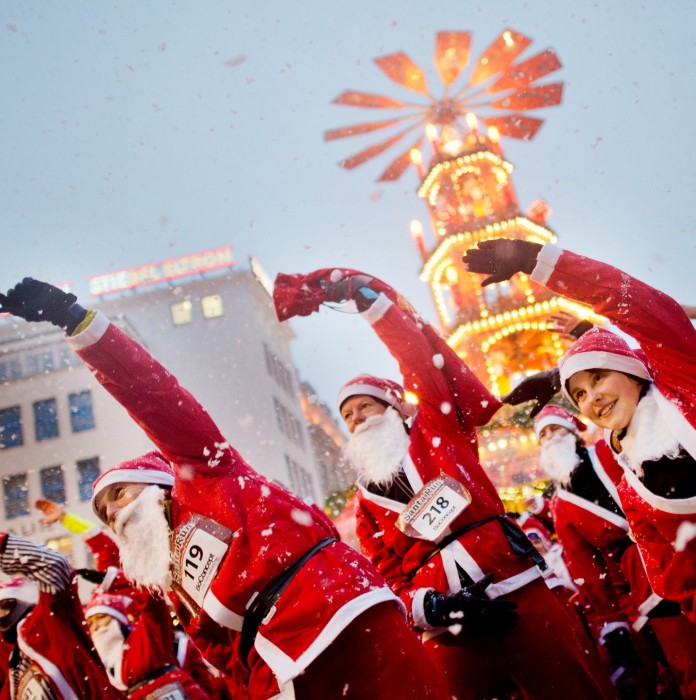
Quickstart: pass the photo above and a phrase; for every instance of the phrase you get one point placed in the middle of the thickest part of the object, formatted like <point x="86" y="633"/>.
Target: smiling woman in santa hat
<point x="645" y="399"/>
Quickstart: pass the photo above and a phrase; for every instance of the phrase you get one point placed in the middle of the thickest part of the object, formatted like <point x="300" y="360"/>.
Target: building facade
<point x="216" y="332"/>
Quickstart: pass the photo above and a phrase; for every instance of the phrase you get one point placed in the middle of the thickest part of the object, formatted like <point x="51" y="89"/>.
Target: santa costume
<point x="439" y="468"/>
<point x="591" y="526"/>
<point x="237" y="538"/>
<point x="658" y="449"/>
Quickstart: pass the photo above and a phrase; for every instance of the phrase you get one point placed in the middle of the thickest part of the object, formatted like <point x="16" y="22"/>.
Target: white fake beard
<point x="648" y="436"/>
<point x="142" y="533"/>
<point x="109" y="643"/>
<point x="559" y="457"/>
<point x="377" y="447"/>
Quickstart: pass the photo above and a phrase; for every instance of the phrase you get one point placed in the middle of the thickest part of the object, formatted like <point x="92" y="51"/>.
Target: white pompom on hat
<point x="600" y="349"/>
<point x="552" y="414"/>
<point x="150" y="468"/>
<point x="384" y="389"/>
<point x="19" y="588"/>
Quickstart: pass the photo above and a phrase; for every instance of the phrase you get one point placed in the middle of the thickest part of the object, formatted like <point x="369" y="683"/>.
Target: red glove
<point x="302" y="295"/>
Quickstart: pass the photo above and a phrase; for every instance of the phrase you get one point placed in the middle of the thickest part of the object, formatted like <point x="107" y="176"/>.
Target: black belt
<point x="151" y="676"/>
<point x="267" y="598"/>
<point x="518" y="541"/>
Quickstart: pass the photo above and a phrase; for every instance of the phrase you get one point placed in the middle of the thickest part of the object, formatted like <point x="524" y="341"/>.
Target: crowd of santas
<point x="448" y="597"/>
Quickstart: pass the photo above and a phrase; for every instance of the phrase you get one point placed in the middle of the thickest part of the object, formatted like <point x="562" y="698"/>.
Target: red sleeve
<point x="104" y="550"/>
<point x="430" y="368"/>
<point x="657" y="322"/>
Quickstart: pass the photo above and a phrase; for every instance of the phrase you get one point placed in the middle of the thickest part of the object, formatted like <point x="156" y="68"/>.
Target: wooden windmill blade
<point x="499" y="55"/>
<point x="451" y="54"/>
<point x="402" y="70"/>
<point x="527" y="72"/>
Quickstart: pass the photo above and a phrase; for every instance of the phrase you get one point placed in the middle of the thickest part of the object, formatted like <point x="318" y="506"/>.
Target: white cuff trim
<point x="546" y="262"/>
<point x="90" y="335"/>
<point x="418" y="609"/>
<point x="378" y="309"/>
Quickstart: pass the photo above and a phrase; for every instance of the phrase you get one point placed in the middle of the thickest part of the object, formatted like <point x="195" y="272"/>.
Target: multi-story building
<point x="216" y="331"/>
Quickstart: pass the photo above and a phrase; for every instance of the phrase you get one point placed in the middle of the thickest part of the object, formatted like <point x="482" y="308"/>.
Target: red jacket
<point x="667" y="338"/>
<point x="452" y="402"/>
<point x="248" y="529"/>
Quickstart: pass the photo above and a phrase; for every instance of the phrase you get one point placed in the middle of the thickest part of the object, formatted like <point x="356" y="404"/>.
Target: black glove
<point x="540" y="387"/>
<point x="34" y="300"/>
<point x="356" y="287"/>
<point x="621" y="650"/>
<point x="470" y="607"/>
<point x="91" y="575"/>
<point x="501" y="258"/>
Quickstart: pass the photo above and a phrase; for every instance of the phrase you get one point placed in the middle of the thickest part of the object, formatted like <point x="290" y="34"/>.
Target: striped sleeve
<point x="47" y="568"/>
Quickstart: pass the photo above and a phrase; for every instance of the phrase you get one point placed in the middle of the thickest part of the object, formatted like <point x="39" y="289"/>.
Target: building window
<point x="11" y="427"/>
<point x="280" y="373"/>
<point x="16" y="495"/>
<point x="212" y="306"/>
<point x="87" y="473"/>
<point x="288" y="424"/>
<point x="10" y="369"/>
<point x="39" y="363"/>
<point x="53" y="484"/>
<point x="300" y="479"/>
<point x="182" y="312"/>
<point x="45" y="419"/>
<point x="81" y="413"/>
<point x="67" y="358"/>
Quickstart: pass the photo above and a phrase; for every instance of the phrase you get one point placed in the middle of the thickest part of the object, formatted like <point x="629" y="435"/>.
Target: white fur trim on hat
<point x="600" y="359"/>
<point x="107" y="610"/>
<point x="554" y="420"/>
<point x="130" y="476"/>
<point x="363" y="390"/>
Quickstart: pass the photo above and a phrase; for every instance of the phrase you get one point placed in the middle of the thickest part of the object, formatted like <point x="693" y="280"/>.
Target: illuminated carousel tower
<point x="500" y="330"/>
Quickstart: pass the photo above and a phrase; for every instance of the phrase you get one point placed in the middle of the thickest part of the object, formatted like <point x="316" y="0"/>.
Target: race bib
<point x="32" y="686"/>
<point x="199" y="546"/>
<point x="171" y="691"/>
<point x="429" y="514"/>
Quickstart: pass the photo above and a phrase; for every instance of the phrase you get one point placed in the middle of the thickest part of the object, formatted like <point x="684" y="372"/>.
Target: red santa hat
<point x="150" y="468"/>
<point x="19" y="588"/>
<point x="600" y="349"/>
<point x="109" y="604"/>
<point x="384" y="389"/>
<point x="552" y="414"/>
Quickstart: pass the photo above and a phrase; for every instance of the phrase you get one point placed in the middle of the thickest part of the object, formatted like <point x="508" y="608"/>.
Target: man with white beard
<point x="593" y="531"/>
<point x="257" y="577"/>
<point x="429" y="517"/>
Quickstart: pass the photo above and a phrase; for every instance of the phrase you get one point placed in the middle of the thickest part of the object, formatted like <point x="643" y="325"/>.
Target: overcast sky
<point x="133" y="132"/>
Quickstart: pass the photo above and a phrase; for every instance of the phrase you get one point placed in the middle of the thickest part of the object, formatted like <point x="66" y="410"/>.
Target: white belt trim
<point x="593" y="508"/>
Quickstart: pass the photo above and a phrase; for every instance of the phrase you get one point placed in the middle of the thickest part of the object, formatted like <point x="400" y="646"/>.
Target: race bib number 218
<point x="429" y="514"/>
